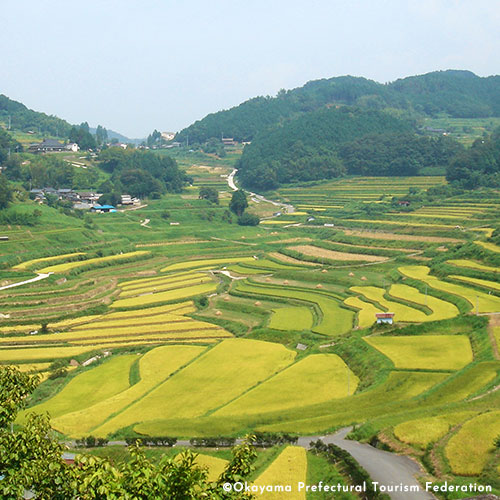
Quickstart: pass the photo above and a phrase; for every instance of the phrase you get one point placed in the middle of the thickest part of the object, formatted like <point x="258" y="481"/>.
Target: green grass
<point x="431" y="352"/>
<point x="314" y="379"/>
<point x="291" y="318"/>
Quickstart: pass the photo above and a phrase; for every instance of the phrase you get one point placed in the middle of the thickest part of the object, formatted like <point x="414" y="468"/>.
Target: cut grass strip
<point x="431" y="352"/>
<point x="291" y="318"/>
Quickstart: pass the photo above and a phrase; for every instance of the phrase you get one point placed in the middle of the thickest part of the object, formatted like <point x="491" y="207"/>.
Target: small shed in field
<point x="385" y="317"/>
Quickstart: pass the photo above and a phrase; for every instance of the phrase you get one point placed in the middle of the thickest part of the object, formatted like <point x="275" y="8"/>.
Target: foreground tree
<point x="31" y="459"/>
<point x="238" y="202"/>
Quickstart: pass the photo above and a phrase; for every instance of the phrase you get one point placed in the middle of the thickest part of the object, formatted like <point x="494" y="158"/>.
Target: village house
<point x="385" y="318"/>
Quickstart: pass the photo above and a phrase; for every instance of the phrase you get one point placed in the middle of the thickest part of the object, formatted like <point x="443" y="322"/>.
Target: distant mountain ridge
<point x="458" y="93"/>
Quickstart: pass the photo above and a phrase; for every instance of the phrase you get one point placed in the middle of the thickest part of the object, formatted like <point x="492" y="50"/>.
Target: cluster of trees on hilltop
<point x="306" y="148"/>
<point x="457" y="93"/>
<point x="141" y="173"/>
<point x="479" y="165"/>
<point x="396" y="154"/>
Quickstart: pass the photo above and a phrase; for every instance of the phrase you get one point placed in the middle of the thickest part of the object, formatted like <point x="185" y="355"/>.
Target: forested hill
<point x="332" y="142"/>
<point x="460" y="94"/>
<point x="22" y="118"/>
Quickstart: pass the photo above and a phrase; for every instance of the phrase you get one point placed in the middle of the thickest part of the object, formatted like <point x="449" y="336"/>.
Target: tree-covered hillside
<point x="456" y="93"/>
<point x="22" y="118"/>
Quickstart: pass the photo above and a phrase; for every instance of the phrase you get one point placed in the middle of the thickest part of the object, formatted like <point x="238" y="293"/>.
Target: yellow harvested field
<point x="157" y="319"/>
<point x="89" y="387"/>
<point x="440" y="308"/>
<point x="177" y="308"/>
<point x="20" y="328"/>
<point x="215" y="465"/>
<point x="473" y="265"/>
<point x="289" y="468"/>
<point x="159" y="280"/>
<point x="25" y="265"/>
<point x="423" y="431"/>
<point x="68" y="266"/>
<point x="171" y="295"/>
<point x="32" y="367"/>
<point x="224" y="372"/>
<point x="290" y="260"/>
<point x="431" y="352"/>
<point x="401" y="223"/>
<point x="333" y="255"/>
<point x="469" y="450"/>
<point x="367" y="311"/>
<point x="269" y="222"/>
<point x="314" y="379"/>
<point x="9" y="355"/>
<point x="154" y="367"/>
<point x="207" y="263"/>
<point x="403" y="237"/>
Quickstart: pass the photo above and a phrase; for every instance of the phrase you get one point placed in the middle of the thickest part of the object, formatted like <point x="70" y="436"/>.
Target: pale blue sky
<point x="136" y="65"/>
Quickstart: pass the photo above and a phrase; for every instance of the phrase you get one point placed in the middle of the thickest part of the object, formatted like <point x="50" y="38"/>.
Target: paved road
<point x="383" y="467"/>
<point x="41" y="276"/>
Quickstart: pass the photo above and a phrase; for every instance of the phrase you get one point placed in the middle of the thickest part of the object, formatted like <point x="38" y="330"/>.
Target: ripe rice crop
<point x="402" y="312"/>
<point x="402" y="237"/>
<point x="277" y="222"/>
<point x="154" y="367"/>
<point x="160" y="280"/>
<point x="432" y="352"/>
<point x="27" y="264"/>
<point x="314" y="379"/>
<point x="207" y="263"/>
<point x="423" y="431"/>
<point x="170" y="295"/>
<point x="215" y="465"/>
<point x="489" y="246"/>
<point x="291" y="318"/>
<point x="440" y="308"/>
<point x="473" y="265"/>
<point x="167" y="286"/>
<point x="68" y="266"/>
<point x="224" y="372"/>
<point x="10" y="355"/>
<point x="402" y="223"/>
<point x="483" y="301"/>
<point x="366" y="313"/>
<point x="476" y="281"/>
<point x="470" y="448"/>
<point x="289" y="468"/>
<point x="89" y="387"/>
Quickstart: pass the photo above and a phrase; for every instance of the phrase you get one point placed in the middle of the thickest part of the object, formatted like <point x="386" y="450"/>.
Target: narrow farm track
<point x="40" y="277"/>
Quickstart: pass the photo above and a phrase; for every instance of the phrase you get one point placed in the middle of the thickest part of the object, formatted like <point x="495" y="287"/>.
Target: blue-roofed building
<point x="103" y="208"/>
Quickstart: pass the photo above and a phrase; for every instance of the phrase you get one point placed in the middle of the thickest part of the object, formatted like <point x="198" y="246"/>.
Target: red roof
<point x="384" y="315"/>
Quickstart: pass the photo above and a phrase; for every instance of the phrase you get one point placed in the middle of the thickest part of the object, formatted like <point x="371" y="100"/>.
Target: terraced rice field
<point x="471" y="264"/>
<point x="313" y="251"/>
<point x="470" y="448"/>
<point x="68" y="266"/>
<point x="29" y="263"/>
<point x="314" y="379"/>
<point x="292" y="318"/>
<point x="366" y="311"/>
<point x="440" y="308"/>
<point x="482" y="301"/>
<point x="154" y="368"/>
<point x="224" y="372"/>
<point x="402" y="313"/>
<point x="492" y="285"/>
<point x="488" y="246"/>
<point x="431" y="352"/>
<point x="423" y="431"/>
<point x="290" y="467"/>
<point x="335" y="320"/>
<point x="205" y="263"/>
<point x="90" y="387"/>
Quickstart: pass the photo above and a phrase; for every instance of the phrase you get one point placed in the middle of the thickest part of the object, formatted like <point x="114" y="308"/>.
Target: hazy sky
<point x="137" y="65"/>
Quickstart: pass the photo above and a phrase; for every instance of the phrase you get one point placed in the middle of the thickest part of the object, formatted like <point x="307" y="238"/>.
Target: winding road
<point x="41" y="276"/>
